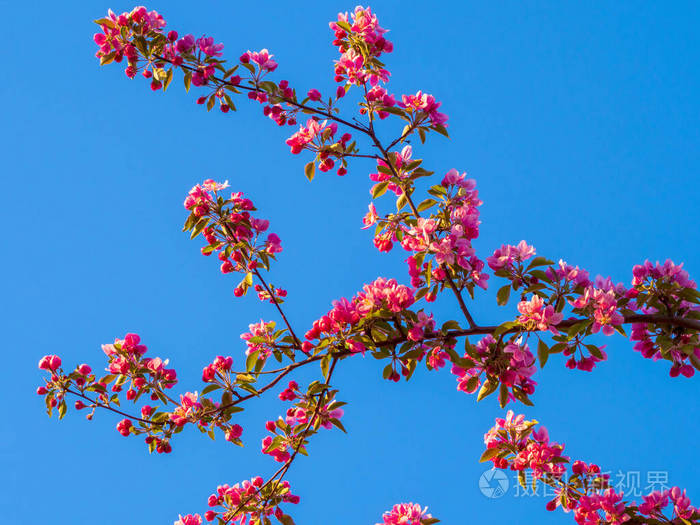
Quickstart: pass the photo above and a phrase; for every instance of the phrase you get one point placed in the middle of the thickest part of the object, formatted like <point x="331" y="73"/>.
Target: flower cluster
<point x="511" y="365"/>
<point x="146" y="374"/>
<point x="219" y="369"/>
<point x="441" y="244"/>
<point x="655" y="502"/>
<point x="515" y="444"/>
<point x="111" y="41"/>
<point x="274" y="295"/>
<point x="231" y="231"/>
<point x="422" y="106"/>
<point x="397" y="175"/>
<point x="261" y="339"/>
<point x="262" y="59"/>
<point x="407" y="514"/>
<point x="535" y="315"/>
<point x="600" y="305"/>
<point x="319" y="137"/>
<point x="668" y="273"/>
<point x="128" y="367"/>
<point x="667" y="290"/>
<point x="377" y="101"/>
<point x="245" y="502"/>
<point x="382" y="294"/>
<point x="289" y="434"/>
<point x="361" y="41"/>
<point x="598" y="302"/>
<point x="508" y="256"/>
<point x="378" y="319"/>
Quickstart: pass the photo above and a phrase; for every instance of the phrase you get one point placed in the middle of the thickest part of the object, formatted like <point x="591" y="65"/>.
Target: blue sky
<point x="579" y="123"/>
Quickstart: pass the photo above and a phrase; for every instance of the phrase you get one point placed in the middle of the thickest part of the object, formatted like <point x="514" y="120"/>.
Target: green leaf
<point x="168" y="79"/>
<point x="388" y="369"/>
<point x="503" y="396"/>
<point x="559" y="347"/>
<point x="578" y="327"/>
<point x="539" y="261"/>
<point x="104" y="22"/>
<point x="338" y="424"/>
<point x="62" y="409"/>
<point x="394" y="110"/>
<point x="189" y="222"/>
<point x="487" y="389"/>
<point x="325" y="365"/>
<point x="450" y="325"/>
<point x="268" y="86"/>
<point x="427" y="203"/>
<point x="542" y="352"/>
<point x="310" y="170"/>
<point x="187" y="80"/>
<point x="401" y="202"/>
<point x="251" y="360"/>
<point x="249" y="388"/>
<point x="522" y="397"/>
<point x="442" y="130"/>
<point x="488" y="454"/>
<point x="379" y="189"/>
<point x="503" y="328"/>
<point x="209" y="388"/>
<point x="107" y="58"/>
<point x="229" y="102"/>
<point x="595" y="351"/>
<point x="540" y="275"/>
<point x="211" y="102"/>
<point x="201" y="224"/>
<point x="521" y="479"/>
<point x="345" y="26"/>
<point x="503" y="295"/>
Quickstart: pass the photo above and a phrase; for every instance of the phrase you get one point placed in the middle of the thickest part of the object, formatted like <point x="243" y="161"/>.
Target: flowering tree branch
<point x="435" y="221"/>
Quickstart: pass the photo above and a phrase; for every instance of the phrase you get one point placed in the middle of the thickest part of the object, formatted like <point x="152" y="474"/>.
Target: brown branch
<point x="277" y="476"/>
<point x="297" y="342"/>
<point x="107" y="407"/>
<point x="416" y="214"/>
<point x="326" y="114"/>
<point x="691" y="324"/>
<point x="458" y="295"/>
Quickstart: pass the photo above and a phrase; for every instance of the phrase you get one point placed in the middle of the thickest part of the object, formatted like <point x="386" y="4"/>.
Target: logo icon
<point x="493" y="483"/>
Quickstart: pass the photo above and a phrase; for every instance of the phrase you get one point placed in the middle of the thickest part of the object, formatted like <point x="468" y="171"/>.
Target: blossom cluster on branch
<point x="559" y="309"/>
<point x="516" y="444"/>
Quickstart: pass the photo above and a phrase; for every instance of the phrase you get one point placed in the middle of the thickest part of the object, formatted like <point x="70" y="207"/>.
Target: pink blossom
<point x="668" y="271"/>
<point x="371" y="217"/>
<point x="506" y="255"/>
<point x="453" y="178"/>
<point x="423" y="102"/>
<point x="273" y="244"/>
<point x="124" y="427"/>
<point x="262" y="58"/>
<point x="405" y="514"/>
<point x="208" y="47"/>
<point x="190" y="519"/>
<point x="536" y="316"/>
<point x="565" y="272"/>
<point x="50" y="362"/>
